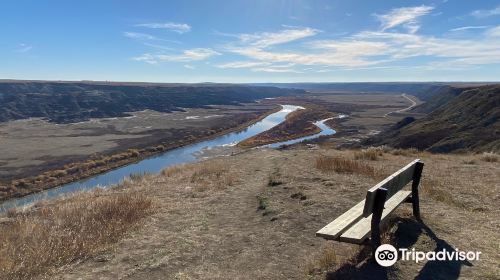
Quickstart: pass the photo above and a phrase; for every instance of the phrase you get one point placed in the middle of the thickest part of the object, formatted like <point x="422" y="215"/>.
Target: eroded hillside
<point x="468" y="120"/>
<point x="66" y="102"/>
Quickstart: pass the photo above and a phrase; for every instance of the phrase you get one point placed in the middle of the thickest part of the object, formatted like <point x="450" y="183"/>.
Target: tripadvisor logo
<point x="386" y="255"/>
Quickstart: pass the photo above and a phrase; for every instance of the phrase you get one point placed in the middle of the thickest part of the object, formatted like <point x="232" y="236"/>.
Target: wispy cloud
<point x="372" y="49"/>
<point x="333" y="53"/>
<point x="139" y="36"/>
<point x="171" y="26"/>
<point x="482" y="50"/>
<point x="242" y="64"/>
<point x="406" y="16"/>
<point x="190" y="67"/>
<point x="275" y="70"/>
<point x="146" y="39"/>
<point x="22" y="48"/>
<point x="486" y="13"/>
<point x="493" y="32"/>
<point x="186" y="56"/>
<point x="463" y="28"/>
<point x="266" y="39"/>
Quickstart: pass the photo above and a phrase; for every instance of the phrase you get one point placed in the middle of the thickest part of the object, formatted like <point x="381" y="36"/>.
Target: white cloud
<point x="468" y="28"/>
<point x="23" y="48"/>
<point x="493" y="32"/>
<point x="243" y="64"/>
<point x="186" y="56"/>
<point x="276" y="69"/>
<point x="374" y="48"/>
<point x="187" y="66"/>
<point x="148" y="58"/>
<point x="486" y="13"/>
<point x="139" y="36"/>
<point x="266" y="39"/>
<point x="406" y="16"/>
<point x="172" y="26"/>
<point x="465" y="51"/>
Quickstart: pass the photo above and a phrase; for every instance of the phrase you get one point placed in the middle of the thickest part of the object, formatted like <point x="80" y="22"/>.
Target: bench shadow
<point x="406" y="236"/>
<point x="362" y="266"/>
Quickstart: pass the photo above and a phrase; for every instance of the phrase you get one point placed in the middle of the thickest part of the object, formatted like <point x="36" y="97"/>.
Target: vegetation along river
<point x="185" y="154"/>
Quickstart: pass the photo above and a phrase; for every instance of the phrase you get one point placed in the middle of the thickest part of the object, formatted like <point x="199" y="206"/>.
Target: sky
<point x="244" y="41"/>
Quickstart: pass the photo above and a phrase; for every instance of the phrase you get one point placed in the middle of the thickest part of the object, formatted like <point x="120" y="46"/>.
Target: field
<point x="368" y="114"/>
<point x="254" y="215"/>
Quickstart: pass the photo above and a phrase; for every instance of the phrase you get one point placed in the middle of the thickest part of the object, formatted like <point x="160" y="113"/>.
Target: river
<point x="185" y="154"/>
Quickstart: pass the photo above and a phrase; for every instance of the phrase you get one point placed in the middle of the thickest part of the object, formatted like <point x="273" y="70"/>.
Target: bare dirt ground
<point x="34" y="145"/>
<point x="254" y="216"/>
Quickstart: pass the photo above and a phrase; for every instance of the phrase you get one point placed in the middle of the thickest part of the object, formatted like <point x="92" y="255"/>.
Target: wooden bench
<point x="365" y="218"/>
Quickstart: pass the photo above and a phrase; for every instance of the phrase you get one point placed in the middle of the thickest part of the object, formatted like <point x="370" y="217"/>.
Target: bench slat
<point x="393" y="184"/>
<point x="360" y="231"/>
<point x="333" y="230"/>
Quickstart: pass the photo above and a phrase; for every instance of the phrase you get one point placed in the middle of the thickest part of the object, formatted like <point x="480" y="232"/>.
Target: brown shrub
<point x="213" y="174"/>
<point x="134" y="153"/>
<point x="489" y="157"/>
<point x="59" y="173"/>
<point x="341" y="165"/>
<point x="172" y="170"/>
<point x="404" y="152"/>
<point x="37" y="242"/>
<point x="369" y="154"/>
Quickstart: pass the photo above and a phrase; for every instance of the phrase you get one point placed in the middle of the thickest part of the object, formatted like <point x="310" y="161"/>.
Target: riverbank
<point x="99" y="164"/>
<point x="256" y="214"/>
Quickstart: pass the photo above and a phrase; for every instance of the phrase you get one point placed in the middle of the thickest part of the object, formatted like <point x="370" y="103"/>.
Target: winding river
<point x="185" y="154"/>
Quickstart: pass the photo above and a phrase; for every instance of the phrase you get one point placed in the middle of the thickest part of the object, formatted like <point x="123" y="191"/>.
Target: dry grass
<point x="369" y="154"/>
<point x="173" y="170"/>
<point x="209" y="175"/>
<point x="342" y="165"/>
<point x="404" y="152"/>
<point x="324" y="260"/>
<point x="203" y="175"/>
<point x="489" y="157"/>
<point x="439" y="192"/>
<point x="34" y="243"/>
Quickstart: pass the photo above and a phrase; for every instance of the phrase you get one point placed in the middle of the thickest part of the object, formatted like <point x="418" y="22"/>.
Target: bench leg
<point x="414" y="189"/>
<point x="378" y="208"/>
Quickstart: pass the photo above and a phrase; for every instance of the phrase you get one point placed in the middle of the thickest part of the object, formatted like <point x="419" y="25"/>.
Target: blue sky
<point x="250" y="41"/>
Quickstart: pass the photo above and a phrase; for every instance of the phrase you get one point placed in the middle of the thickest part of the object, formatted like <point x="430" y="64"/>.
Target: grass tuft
<point x="489" y="157"/>
<point x="323" y="261"/>
<point x="173" y="170"/>
<point x="369" y="154"/>
<point x="342" y="165"/>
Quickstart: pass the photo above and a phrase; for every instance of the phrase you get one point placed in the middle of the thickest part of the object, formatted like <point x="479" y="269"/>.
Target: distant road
<point x="413" y="104"/>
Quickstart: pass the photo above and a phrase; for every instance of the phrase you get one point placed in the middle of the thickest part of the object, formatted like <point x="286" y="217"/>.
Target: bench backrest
<point x="393" y="184"/>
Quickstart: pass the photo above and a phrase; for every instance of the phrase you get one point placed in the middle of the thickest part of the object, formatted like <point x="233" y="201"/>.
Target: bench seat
<point x="362" y="229"/>
<point x="351" y="227"/>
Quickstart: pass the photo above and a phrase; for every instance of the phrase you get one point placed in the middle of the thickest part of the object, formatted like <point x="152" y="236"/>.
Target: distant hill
<point x="462" y="119"/>
<point x="425" y="91"/>
<point x="64" y="102"/>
